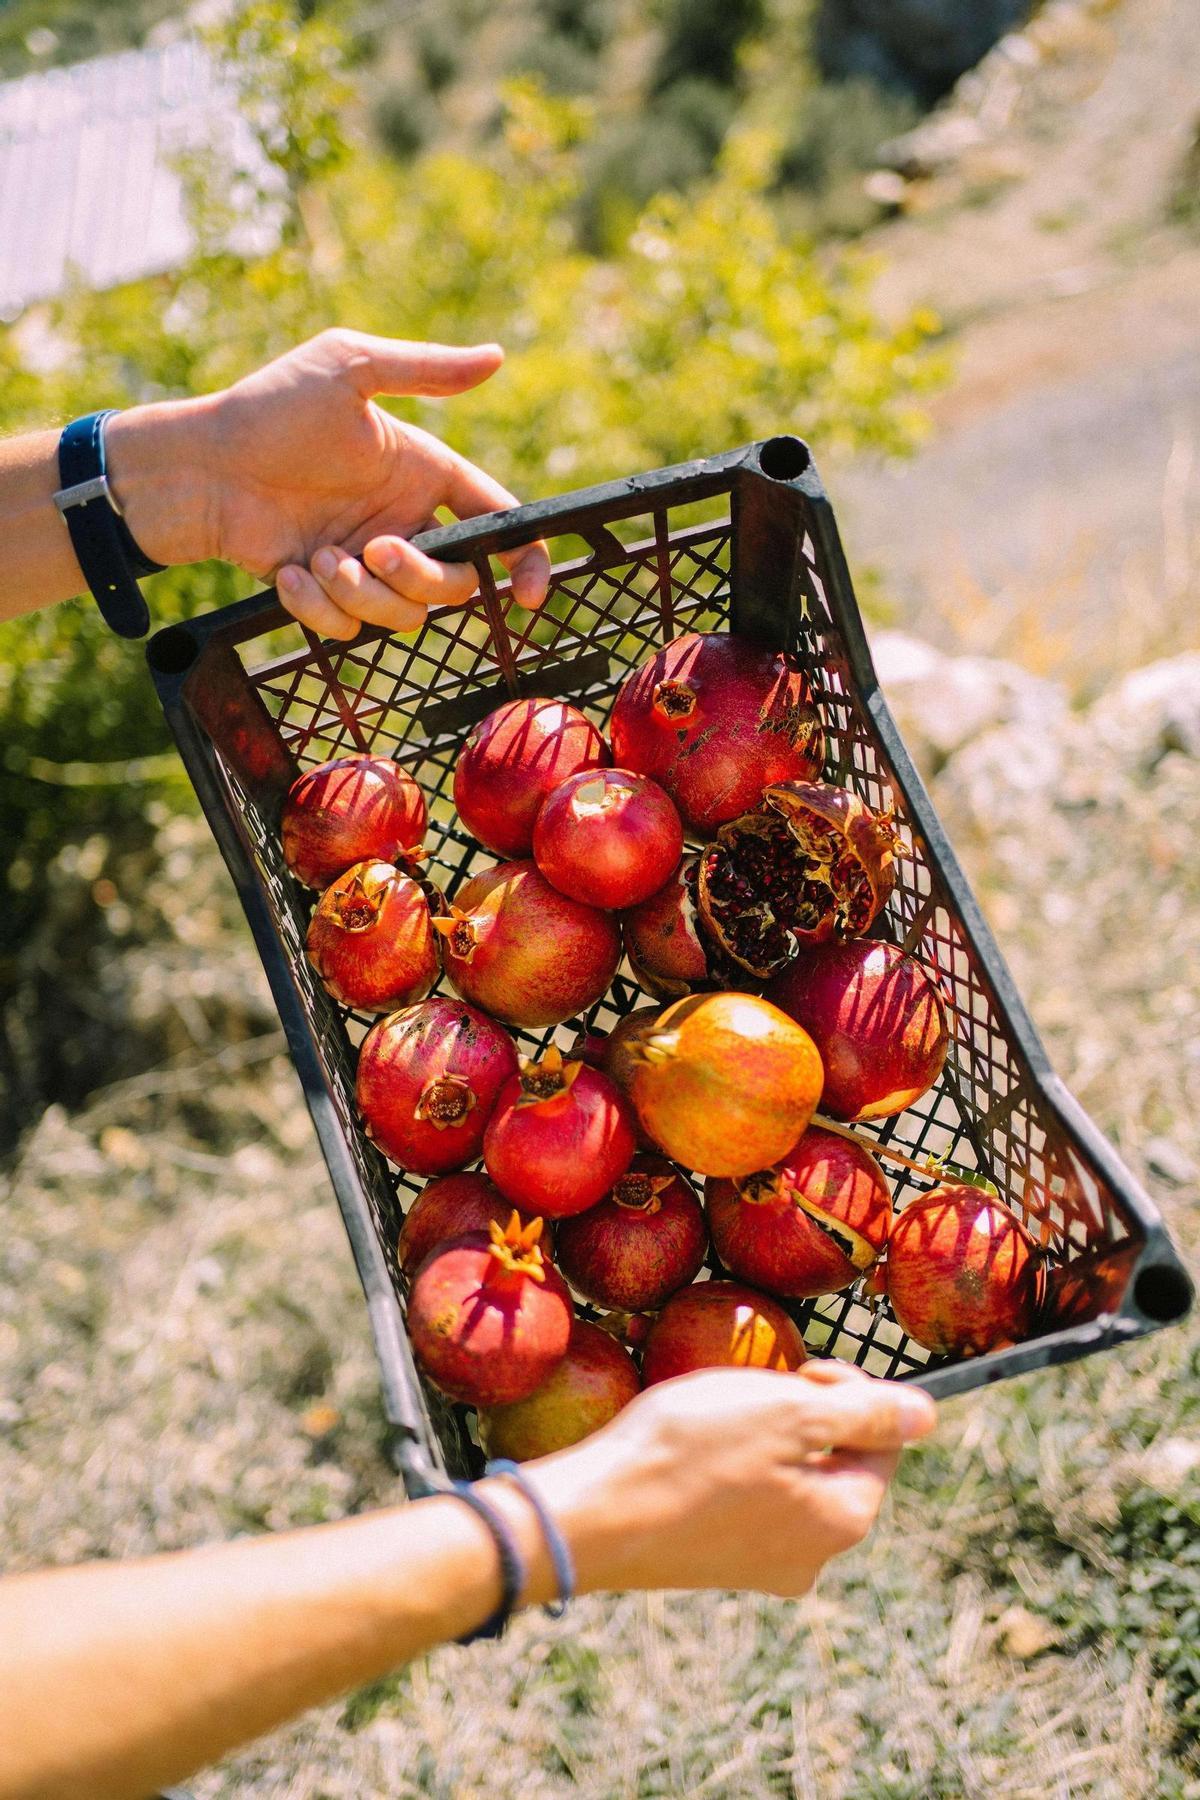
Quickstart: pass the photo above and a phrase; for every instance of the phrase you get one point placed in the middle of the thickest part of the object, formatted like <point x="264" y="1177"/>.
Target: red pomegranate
<point x="452" y="1206"/>
<point x="524" y="952"/>
<point x="357" y="809"/>
<point x="512" y="760"/>
<point x="725" y="1083"/>
<point x="428" y="1077"/>
<point x="607" y="836"/>
<point x="489" y="1318"/>
<point x="811" y="1225"/>
<point x="713" y="719"/>
<point x="371" y="939"/>
<point x="813" y="863"/>
<point x="644" y="1240"/>
<point x="880" y="1021"/>
<point x="718" y="1324"/>
<point x="560" y="1135"/>
<point x="1094" y="1283"/>
<point x="591" y="1384"/>
<point x="961" y="1272"/>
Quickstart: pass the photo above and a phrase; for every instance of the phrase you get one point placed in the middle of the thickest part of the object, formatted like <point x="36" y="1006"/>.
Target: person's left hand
<point x="298" y="473"/>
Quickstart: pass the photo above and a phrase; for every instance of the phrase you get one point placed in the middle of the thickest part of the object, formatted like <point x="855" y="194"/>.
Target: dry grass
<point x="184" y="1355"/>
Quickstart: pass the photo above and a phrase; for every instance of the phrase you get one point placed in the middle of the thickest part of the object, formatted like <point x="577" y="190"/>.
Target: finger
<point x="417" y="576"/>
<point x="363" y="595"/>
<point x="471" y="491"/>
<point x="876" y="1465"/>
<point x="306" y="600"/>
<point x="862" y="1415"/>
<point x="380" y="365"/>
<point x="828" y="1370"/>
<point x="530" y="571"/>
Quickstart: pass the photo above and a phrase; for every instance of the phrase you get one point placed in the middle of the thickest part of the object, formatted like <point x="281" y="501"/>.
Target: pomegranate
<point x="591" y="1384"/>
<point x="630" y="1329"/>
<point x="428" y="1077"/>
<point x="725" y="1083"/>
<point x="489" y="1318"/>
<point x="450" y="1207"/>
<point x="524" y="952"/>
<point x="668" y="948"/>
<point x="811" y="1225"/>
<point x="607" y="836"/>
<point x="512" y="760"/>
<point x="880" y="1021"/>
<point x="560" y="1135"/>
<point x="356" y="809"/>
<point x="961" y="1272"/>
<point x="371" y="939"/>
<point x="814" y="862"/>
<point x="644" y="1240"/>
<point x="715" y="718"/>
<point x="718" y="1324"/>
<point x="1091" y="1284"/>
<point x="614" y="1054"/>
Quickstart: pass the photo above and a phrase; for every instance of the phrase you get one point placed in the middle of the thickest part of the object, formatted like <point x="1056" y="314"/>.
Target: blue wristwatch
<point x="104" y="544"/>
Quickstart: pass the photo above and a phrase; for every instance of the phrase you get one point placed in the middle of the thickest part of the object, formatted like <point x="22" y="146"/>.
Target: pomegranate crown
<point x="546" y="1080"/>
<point x="460" y="930"/>
<point x="517" y="1248"/>
<point x="641" y="1192"/>
<point x="445" y="1101"/>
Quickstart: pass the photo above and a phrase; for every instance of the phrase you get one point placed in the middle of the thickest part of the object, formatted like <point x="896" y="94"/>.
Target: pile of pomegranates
<point x="700" y="843"/>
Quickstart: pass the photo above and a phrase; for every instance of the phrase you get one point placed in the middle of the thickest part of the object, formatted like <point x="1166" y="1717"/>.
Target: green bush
<point x="710" y="326"/>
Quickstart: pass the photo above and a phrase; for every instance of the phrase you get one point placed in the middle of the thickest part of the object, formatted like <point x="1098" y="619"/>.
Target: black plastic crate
<point x="246" y="722"/>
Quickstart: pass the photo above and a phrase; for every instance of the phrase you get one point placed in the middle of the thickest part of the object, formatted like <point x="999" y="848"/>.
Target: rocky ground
<point x="184" y="1354"/>
<point x="1047" y="214"/>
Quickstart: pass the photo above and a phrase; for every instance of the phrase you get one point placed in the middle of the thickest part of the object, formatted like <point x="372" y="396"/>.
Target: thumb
<point x="381" y="365"/>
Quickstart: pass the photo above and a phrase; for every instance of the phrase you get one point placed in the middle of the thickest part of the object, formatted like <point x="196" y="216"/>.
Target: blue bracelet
<point x="556" y="1543"/>
<point x="512" y="1566"/>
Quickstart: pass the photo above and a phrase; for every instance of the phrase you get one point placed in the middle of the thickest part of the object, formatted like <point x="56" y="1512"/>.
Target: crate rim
<point x="1159" y="1290"/>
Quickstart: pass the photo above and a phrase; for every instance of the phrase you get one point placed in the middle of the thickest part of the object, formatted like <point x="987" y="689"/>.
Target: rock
<point x="1168" y="1462"/>
<point x="1023" y="1634"/>
<point x="1169" y="1162"/>
<point x="1152" y="712"/>
<point x="942" y="703"/>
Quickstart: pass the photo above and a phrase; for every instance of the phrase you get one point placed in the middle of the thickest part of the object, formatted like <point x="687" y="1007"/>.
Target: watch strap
<point x="104" y="546"/>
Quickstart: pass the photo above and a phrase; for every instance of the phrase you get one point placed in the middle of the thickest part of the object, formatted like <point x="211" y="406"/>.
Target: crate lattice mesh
<point x="414" y="699"/>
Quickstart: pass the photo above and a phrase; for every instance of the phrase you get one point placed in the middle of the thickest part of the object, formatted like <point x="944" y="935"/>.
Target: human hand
<point x="732" y="1478"/>
<point x="295" y="472"/>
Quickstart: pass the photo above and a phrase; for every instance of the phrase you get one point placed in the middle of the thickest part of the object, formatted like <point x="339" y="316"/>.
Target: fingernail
<point x="325" y="563"/>
<point x="387" y="559"/>
<point x="288" y="580"/>
<point x="917" y="1414"/>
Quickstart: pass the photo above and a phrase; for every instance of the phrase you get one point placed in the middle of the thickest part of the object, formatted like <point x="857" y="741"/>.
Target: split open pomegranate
<point x="812" y="863"/>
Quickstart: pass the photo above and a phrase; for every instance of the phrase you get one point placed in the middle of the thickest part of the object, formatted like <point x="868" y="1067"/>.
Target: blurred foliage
<point x="712" y="325"/>
<point x="63" y="31"/>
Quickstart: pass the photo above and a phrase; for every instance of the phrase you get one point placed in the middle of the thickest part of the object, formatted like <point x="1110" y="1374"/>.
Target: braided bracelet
<point x="556" y="1543"/>
<point x="512" y="1566"/>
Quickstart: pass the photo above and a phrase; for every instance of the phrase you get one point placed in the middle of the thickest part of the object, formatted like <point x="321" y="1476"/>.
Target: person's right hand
<point x="732" y="1478"/>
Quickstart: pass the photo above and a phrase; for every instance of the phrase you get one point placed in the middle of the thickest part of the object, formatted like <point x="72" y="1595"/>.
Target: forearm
<point x="159" y="467"/>
<point x="130" y="1677"/>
